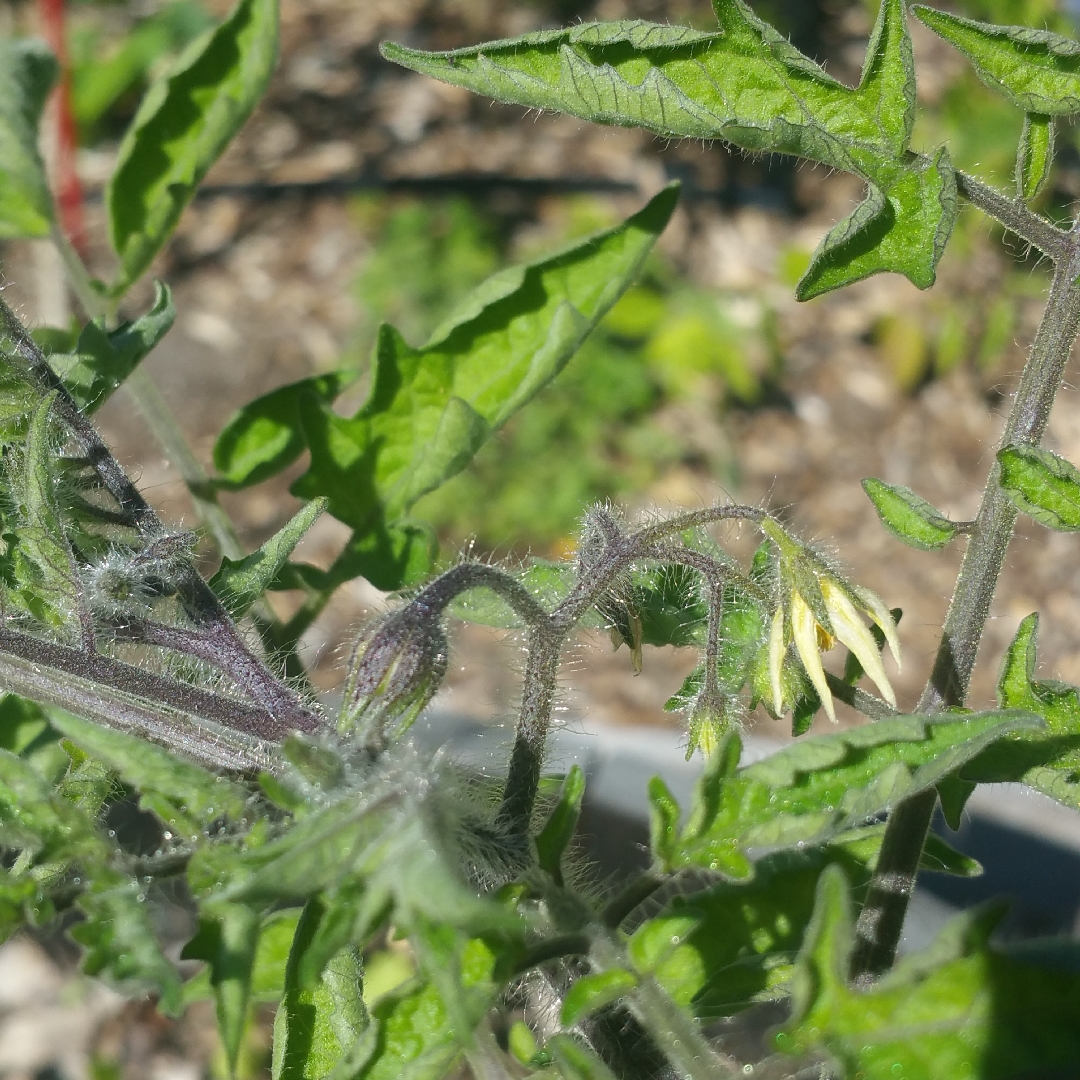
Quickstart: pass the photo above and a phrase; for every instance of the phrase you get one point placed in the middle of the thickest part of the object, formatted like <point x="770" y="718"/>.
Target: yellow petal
<point x="855" y="634"/>
<point x="804" y="630"/>
<point x="776" y="660"/>
<point x="876" y="609"/>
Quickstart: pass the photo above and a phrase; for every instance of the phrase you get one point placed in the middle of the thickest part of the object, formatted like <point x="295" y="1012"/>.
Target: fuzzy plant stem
<point x="882" y="918"/>
<point x="534" y="719"/>
<point x="217" y="731"/>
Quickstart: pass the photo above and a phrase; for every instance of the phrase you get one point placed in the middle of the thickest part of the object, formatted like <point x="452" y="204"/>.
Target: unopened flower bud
<point x="713" y="717"/>
<point x="397" y="666"/>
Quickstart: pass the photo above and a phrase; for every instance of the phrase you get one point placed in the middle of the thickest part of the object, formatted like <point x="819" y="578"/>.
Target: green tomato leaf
<point x="747" y="85"/>
<point x="410" y="1036"/>
<point x="389" y="556"/>
<point x="272" y="954"/>
<point x="27" y="73"/>
<point x="1048" y="759"/>
<point x="901" y="226"/>
<point x="102" y="360"/>
<point x="592" y="992"/>
<point x="683" y="83"/>
<point x="430" y="409"/>
<point x="97" y="83"/>
<point x="184" y="795"/>
<point x="46" y="576"/>
<point x="958" y="1008"/>
<point x="1035" y="155"/>
<point x="265" y="436"/>
<point x="558" y="831"/>
<point x="120" y="943"/>
<point x="378" y="846"/>
<point x="36" y="819"/>
<point x="909" y="518"/>
<point x="1037" y="70"/>
<point x="239" y="583"/>
<point x="227" y="939"/>
<point x="718" y="951"/>
<point x="664" y="815"/>
<point x="820" y="786"/>
<point x="318" y="1022"/>
<point x="1043" y="485"/>
<point x="184" y="123"/>
<point x="24" y="727"/>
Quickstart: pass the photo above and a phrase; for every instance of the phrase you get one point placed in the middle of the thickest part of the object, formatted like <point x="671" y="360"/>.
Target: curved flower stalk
<point x="818" y="608"/>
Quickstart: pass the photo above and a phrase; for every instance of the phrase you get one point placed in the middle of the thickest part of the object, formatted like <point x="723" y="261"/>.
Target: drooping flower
<point x="818" y="608"/>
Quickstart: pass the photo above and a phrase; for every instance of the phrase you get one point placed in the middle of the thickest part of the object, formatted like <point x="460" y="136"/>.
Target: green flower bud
<point x="396" y="668"/>
<point x="714" y="714"/>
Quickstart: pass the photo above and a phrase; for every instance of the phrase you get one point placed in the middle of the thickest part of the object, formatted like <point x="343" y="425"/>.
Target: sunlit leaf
<point x="102" y="359"/>
<point x="190" y="798"/>
<point x="748" y="85"/>
<point x="558" y="831"/>
<point x="1043" y="485"/>
<point x="901" y="227"/>
<point x="1047" y="759"/>
<point x="184" y="123"/>
<point x="1035" y="155"/>
<point x="27" y="73"/>
<point x="820" y="786"/>
<point x="240" y="583"/>
<point x="592" y="992"/>
<point x="264" y="436"/>
<point x="1037" y="70"/>
<point x="227" y="939"/>
<point x="120" y="943"/>
<point x="319" y="1020"/>
<point x="44" y="565"/>
<point x="908" y="517"/>
<point x="430" y="409"/>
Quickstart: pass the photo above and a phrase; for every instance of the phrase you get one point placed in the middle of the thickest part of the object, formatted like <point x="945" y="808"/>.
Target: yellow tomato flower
<point x="842" y="607"/>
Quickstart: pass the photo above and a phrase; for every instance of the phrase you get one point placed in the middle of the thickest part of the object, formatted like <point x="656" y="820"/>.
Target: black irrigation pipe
<point x="771" y="196"/>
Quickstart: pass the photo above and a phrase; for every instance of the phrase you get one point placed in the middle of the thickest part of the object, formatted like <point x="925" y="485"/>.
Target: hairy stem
<point x="547" y="634"/>
<point x="661" y="530"/>
<point x="534" y="719"/>
<point x="475" y="575"/>
<point x="218" y="731"/>
<point x="623" y="904"/>
<point x="162" y="423"/>
<point x="1016" y="217"/>
<point x="882" y="918"/>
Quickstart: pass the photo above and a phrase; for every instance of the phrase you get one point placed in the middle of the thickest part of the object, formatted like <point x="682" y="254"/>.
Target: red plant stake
<point x="61" y="131"/>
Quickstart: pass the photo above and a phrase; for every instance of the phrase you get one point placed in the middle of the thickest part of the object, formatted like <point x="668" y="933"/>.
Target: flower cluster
<point x="817" y="608"/>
